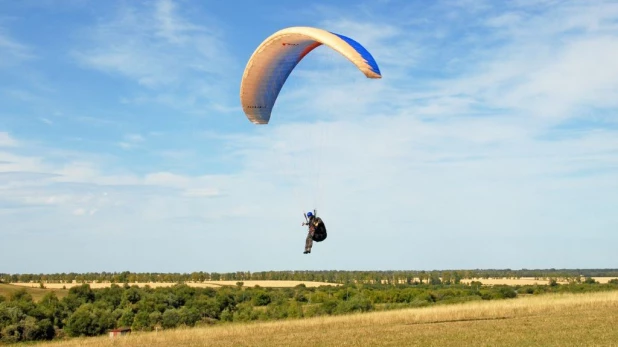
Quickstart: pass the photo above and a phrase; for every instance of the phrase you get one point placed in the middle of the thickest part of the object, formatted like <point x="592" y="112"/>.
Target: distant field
<point x="288" y="284"/>
<point x="526" y="281"/>
<point x="216" y="284"/>
<point x="284" y="284"/>
<point x="546" y="320"/>
<point x="36" y="292"/>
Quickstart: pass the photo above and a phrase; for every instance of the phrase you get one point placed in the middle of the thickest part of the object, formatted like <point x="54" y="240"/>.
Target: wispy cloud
<point x="541" y="61"/>
<point x="46" y="120"/>
<point x="548" y="64"/>
<point x="177" y="154"/>
<point x="94" y="121"/>
<point x="12" y="51"/>
<point x="131" y="140"/>
<point x="172" y="28"/>
<point x="177" y="61"/>
<point x="6" y="140"/>
<point x="20" y="94"/>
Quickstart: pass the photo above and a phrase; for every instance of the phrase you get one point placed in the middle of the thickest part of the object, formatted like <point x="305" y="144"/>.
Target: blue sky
<point x="490" y="142"/>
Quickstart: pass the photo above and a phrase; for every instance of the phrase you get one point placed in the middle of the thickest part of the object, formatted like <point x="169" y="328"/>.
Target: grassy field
<point x="214" y="284"/>
<point x="36" y="292"/>
<point x="526" y="281"/>
<point x="284" y="284"/>
<point x="548" y="320"/>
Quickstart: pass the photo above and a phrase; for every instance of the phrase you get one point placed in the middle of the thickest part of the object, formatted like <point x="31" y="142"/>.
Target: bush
<point x="87" y="321"/>
<point x="126" y="320"/>
<point x="11" y="333"/>
<point x="188" y="316"/>
<point x="37" y="330"/>
<point x="155" y="318"/>
<point x="170" y="319"/>
<point x="329" y="306"/>
<point x="227" y="315"/>
<point x="142" y="322"/>
<point x="261" y="298"/>
<point x="300" y="297"/>
<point x="355" y="304"/>
<point x="507" y="292"/>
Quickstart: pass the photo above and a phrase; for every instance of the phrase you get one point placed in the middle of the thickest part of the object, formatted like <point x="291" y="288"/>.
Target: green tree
<point x="132" y="295"/>
<point x="36" y="330"/>
<point x="207" y="307"/>
<point x="88" y="321"/>
<point x="112" y="296"/>
<point x="261" y="298"/>
<point x="170" y="318"/>
<point x="188" y="316"/>
<point x="126" y="320"/>
<point x="142" y="322"/>
<point x="155" y="318"/>
<point x="83" y="292"/>
<point x="11" y="333"/>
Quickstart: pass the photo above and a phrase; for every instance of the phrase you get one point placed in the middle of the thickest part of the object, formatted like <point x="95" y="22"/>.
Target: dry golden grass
<point x="36" y="292"/>
<point x="217" y="284"/>
<point x="287" y="284"/>
<point x="509" y="281"/>
<point x="106" y="285"/>
<point x="527" y="281"/>
<point x="273" y="284"/>
<point x="516" y="281"/>
<point x="548" y="320"/>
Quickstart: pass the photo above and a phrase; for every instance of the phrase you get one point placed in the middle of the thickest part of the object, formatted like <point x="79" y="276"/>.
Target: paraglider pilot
<point x="317" y="231"/>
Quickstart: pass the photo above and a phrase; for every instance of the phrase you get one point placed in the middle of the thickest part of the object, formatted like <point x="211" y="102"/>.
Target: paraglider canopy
<point x="276" y="57"/>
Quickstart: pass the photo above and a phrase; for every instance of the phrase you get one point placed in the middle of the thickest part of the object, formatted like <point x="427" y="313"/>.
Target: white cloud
<point x="167" y="179"/>
<point x="176" y="154"/>
<point x="509" y="19"/>
<point x="21" y="95"/>
<point x="201" y="192"/>
<point x="394" y="45"/>
<point x="131" y="141"/>
<point x="180" y="63"/>
<point x="171" y="27"/>
<point x="134" y="137"/>
<point x="46" y="120"/>
<point x="12" y="51"/>
<point x="84" y="212"/>
<point x="6" y="140"/>
<point x="554" y="63"/>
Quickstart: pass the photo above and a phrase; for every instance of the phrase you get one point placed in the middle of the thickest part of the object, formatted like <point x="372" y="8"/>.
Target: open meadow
<point x="527" y="281"/>
<point x="546" y="320"/>
<point x="33" y="289"/>
<point x="205" y="284"/>
<point x="289" y="284"/>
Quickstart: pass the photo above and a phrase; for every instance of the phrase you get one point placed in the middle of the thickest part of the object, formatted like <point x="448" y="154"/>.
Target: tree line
<point x="90" y="312"/>
<point x="341" y="277"/>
